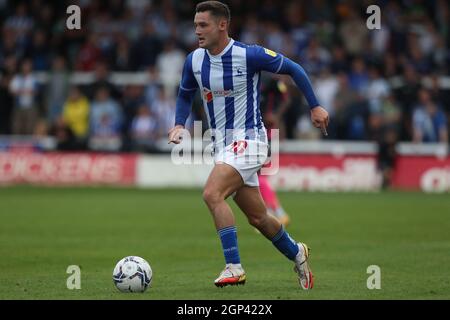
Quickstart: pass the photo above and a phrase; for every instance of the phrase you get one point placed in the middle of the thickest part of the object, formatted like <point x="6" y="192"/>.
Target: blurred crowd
<point x="372" y="82"/>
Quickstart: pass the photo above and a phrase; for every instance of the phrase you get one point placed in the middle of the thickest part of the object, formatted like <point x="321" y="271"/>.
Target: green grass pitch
<point x="44" y="230"/>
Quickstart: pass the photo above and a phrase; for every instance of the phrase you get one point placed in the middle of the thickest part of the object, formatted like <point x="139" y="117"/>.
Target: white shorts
<point x="246" y="156"/>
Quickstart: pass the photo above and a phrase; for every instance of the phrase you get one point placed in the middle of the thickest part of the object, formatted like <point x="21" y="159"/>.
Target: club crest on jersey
<point x="238" y="147"/>
<point x="209" y="95"/>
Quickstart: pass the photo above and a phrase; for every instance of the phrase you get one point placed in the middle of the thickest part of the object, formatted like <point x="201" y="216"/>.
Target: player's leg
<point x="267" y="193"/>
<point x="249" y="200"/>
<point x="271" y="200"/>
<point x="251" y="203"/>
<point x="222" y="182"/>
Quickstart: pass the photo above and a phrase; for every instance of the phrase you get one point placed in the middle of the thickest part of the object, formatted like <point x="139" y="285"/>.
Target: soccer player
<point x="227" y="72"/>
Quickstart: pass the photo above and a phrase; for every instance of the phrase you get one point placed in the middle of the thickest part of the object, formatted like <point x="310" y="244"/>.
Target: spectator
<point x="170" y="66"/>
<point x="346" y="98"/>
<point x="20" y="24"/>
<point x="45" y="18"/>
<point x="380" y="40"/>
<point x="377" y="89"/>
<point x="441" y="94"/>
<point x="39" y="52"/>
<point x="357" y="121"/>
<point x="386" y="116"/>
<point x="121" y="57"/>
<point x="275" y="38"/>
<point x="386" y="155"/>
<point x="24" y="89"/>
<point x="137" y="7"/>
<point x="133" y="99"/>
<point x="438" y="90"/>
<point x="251" y="30"/>
<point x="102" y="79"/>
<point x="144" y="130"/>
<point x="89" y="54"/>
<point x="326" y="88"/>
<point x="9" y="47"/>
<point x="358" y="77"/>
<point x="105" y="122"/>
<point x="57" y="89"/>
<point x="151" y="91"/>
<point x="440" y="55"/>
<point x="353" y="33"/>
<point x="300" y="33"/>
<point x="164" y="110"/>
<point x="416" y="56"/>
<point x="316" y="58"/>
<point x="147" y="48"/>
<point x="6" y="98"/>
<point x="390" y="66"/>
<point x="65" y="140"/>
<point x="406" y="94"/>
<point x="429" y="122"/>
<point x="76" y="116"/>
<point x="339" y="60"/>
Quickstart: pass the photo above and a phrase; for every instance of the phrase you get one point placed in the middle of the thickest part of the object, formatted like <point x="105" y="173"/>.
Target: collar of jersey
<point x="223" y="51"/>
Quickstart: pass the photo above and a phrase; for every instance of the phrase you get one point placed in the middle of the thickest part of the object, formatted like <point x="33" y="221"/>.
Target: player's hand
<point x="320" y="119"/>
<point x="175" y="134"/>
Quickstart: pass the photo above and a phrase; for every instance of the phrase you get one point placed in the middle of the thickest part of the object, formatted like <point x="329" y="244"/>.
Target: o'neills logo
<point x="209" y="95"/>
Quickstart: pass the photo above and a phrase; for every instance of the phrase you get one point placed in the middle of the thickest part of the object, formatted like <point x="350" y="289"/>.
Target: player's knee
<point x="257" y="221"/>
<point x="211" y="197"/>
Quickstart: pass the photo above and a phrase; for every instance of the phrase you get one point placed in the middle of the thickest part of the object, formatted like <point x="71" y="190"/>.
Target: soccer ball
<point x="132" y="274"/>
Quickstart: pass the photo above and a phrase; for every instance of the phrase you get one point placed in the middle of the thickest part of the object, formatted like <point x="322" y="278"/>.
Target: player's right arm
<point x="186" y="93"/>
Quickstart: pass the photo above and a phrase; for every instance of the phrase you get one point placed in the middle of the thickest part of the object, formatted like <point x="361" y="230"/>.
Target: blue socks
<point x="285" y="244"/>
<point x="282" y="241"/>
<point x="228" y="237"/>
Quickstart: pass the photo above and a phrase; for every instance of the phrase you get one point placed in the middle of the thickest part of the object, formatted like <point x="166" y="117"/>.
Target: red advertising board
<point x="317" y="172"/>
<point x="67" y="168"/>
<point x="426" y="173"/>
<point x="297" y="172"/>
<point x="359" y="173"/>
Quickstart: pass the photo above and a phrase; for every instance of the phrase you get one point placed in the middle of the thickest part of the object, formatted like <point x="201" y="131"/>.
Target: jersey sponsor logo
<point x="239" y="72"/>
<point x="209" y="95"/>
<point x="270" y="52"/>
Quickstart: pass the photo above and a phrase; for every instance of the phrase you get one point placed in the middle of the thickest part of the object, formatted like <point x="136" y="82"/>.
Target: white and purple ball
<point x="132" y="274"/>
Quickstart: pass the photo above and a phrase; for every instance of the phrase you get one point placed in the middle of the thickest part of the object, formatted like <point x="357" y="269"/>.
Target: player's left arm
<point x="271" y="61"/>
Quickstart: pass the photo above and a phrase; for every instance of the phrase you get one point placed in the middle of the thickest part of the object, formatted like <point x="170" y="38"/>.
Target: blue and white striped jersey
<point x="230" y="87"/>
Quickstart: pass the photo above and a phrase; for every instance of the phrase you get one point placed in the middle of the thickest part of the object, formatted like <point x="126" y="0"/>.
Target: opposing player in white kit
<point x="228" y="74"/>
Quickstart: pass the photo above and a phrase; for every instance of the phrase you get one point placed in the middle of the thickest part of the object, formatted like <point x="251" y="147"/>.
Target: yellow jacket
<point x="76" y="116"/>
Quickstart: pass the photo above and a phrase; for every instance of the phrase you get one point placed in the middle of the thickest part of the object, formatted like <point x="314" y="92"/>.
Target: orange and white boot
<point x="233" y="274"/>
<point x="305" y="276"/>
